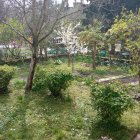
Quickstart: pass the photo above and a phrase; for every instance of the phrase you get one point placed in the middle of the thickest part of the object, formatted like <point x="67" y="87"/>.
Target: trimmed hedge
<point x="56" y="81"/>
<point x="6" y="74"/>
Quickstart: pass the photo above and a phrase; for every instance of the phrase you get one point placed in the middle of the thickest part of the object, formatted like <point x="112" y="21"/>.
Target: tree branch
<point x="18" y="32"/>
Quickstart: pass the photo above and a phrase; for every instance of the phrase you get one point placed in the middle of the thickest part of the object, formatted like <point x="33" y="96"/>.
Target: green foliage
<point x="11" y="41"/>
<point x="19" y="84"/>
<point x="100" y="72"/>
<point x="93" y="11"/>
<point x="35" y="115"/>
<point x="6" y="74"/>
<point x="92" y="35"/>
<point x="84" y="59"/>
<point x="7" y="35"/>
<point x="58" y="62"/>
<point x="111" y="101"/>
<point x="58" y="81"/>
<point x="40" y="79"/>
<point x="55" y="80"/>
<point x="126" y="28"/>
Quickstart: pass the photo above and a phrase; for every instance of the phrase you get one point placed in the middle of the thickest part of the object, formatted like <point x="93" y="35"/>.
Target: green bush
<point x="6" y="74"/>
<point x="40" y="79"/>
<point x="53" y="79"/>
<point x="58" y="81"/>
<point x="111" y="101"/>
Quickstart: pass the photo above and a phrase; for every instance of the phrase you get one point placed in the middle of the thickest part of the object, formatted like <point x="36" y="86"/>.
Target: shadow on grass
<point x="4" y="98"/>
<point x="100" y="72"/>
<point x="13" y="124"/>
<point x="52" y="104"/>
<point x="26" y="119"/>
<point x="48" y="116"/>
<point x="115" y="133"/>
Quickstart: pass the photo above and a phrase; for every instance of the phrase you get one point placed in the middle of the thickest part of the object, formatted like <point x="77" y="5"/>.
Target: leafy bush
<point x="55" y="80"/>
<point x="40" y="80"/>
<point x="6" y="74"/>
<point x="111" y="101"/>
<point x="58" y="82"/>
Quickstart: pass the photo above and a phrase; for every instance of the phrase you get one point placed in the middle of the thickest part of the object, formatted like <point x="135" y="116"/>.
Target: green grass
<point x="38" y="116"/>
<point x="84" y="59"/>
<point x="100" y="72"/>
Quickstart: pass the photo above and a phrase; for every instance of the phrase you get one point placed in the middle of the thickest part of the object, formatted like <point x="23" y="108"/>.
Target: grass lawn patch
<point x="39" y="116"/>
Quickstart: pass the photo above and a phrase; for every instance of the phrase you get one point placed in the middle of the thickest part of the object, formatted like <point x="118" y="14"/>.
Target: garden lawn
<point x="39" y="116"/>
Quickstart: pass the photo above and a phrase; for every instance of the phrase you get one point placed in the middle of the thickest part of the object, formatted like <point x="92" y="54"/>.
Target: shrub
<point x="58" y="82"/>
<point x="54" y="80"/>
<point x="40" y="79"/>
<point x="111" y="101"/>
<point x="6" y="74"/>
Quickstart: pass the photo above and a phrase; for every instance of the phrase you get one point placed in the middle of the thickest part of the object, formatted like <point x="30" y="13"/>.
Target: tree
<point x="43" y="47"/>
<point x="92" y="36"/>
<point x="109" y="41"/>
<point x="10" y="40"/>
<point x="35" y="15"/>
<point x="107" y="10"/>
<point x="68" y="32"/>
<point x="2" y="11"/>
<point x="127" y="28"/>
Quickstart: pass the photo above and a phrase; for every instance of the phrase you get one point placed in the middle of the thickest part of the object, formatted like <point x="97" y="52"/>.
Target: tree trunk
<point x="32" y="68"/>
<point x="94" y="57"/>
<point x="72" y="63"/>
<point x="111" y="53"/>
<point x="46" y="54"/>
<point x="1" y="56"/>
<point x="69" y="59"/>
<point x="41" y="54"/>
<point x="139" y="76"/>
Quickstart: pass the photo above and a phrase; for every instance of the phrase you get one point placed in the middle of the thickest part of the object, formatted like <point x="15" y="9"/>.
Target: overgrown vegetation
<point x="66" y="93"/>
<point x="6" y="74"/>
<point x="40" y="116"/>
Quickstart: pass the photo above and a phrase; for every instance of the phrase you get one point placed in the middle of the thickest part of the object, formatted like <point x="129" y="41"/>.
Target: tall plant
<point x="127" y="28"/>
<point x="111" y="101"/>
<point x="10" y="40"/>
<point x="39" y="18"/>
<point x="92" y="37"/>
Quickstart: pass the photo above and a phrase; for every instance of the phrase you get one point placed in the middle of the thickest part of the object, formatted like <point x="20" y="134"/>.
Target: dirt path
<point x="137" y="137"/>
<point x="133" y="80"/>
